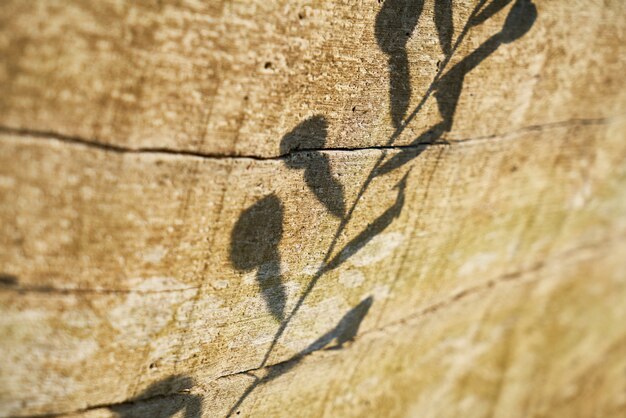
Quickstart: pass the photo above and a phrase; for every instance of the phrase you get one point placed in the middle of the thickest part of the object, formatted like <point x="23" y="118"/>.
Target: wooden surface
<point x="267" y="208"/>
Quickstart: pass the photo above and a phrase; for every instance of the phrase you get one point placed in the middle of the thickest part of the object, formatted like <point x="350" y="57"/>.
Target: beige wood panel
<point x="457" y="255"/>
<point x="126" y="270"/>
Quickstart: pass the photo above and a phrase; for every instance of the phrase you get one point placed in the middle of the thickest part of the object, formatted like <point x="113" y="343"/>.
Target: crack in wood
<point x="107" y="147"/>
<point x="69" y="291"/>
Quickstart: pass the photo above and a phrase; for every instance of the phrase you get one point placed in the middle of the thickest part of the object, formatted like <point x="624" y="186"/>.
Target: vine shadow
<point x="448" y="88"/>
<point x="394" y="25"/>
<point x="343" y="333"/>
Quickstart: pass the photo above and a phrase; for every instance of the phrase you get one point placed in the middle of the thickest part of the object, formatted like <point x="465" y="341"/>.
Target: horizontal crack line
<point x="516" y="276"/>
<point x="78" y="290"/>
<point x="107" y="147"/>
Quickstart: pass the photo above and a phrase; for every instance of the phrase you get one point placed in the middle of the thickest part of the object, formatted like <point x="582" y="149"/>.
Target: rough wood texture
<point x="324" y="208"/>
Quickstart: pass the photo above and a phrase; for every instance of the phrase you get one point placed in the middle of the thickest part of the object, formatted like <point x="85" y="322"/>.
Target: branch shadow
<point x="373" y="229"/>
<point x="448" y="88"/>
<point x="343" y="333"/>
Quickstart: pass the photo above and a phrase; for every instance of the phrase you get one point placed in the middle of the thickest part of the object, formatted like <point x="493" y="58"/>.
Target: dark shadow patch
<point x="311" y="135"/>
<point x="254" y="246"/>
<point x="8" y="280"/>
<point x="444" y="25"/>
<point x="163" y="399"/>
<point x="395" y="24"/>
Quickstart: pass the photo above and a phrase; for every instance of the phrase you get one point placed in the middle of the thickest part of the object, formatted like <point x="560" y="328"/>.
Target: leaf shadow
<point x="519" y="20"/>
<point x="310" y="136"/>
<point x="491" y="9"/>
<point x="448" y="88"/>
<point x="167" y="398"/>
<point x="395" y="23"/>
<point x="254" y="246"/>
<point x="444" y="25"/>
<point x="346" y="329"/>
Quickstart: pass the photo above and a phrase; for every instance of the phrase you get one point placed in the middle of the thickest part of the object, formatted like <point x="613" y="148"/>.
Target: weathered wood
<point x="148" y="268"/>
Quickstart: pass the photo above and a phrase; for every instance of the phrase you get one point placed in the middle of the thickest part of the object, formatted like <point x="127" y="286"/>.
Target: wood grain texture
<point x="530" y="344"/>
<point x="192" y="76"/>
<point x="187" y="230"/>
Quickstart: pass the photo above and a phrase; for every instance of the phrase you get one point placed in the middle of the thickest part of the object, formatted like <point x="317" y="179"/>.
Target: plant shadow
<point x="254" y="246"/>
<point x="342" y="333"/>
<point x="310" y="136"/>
<point x="163" y="399"/>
